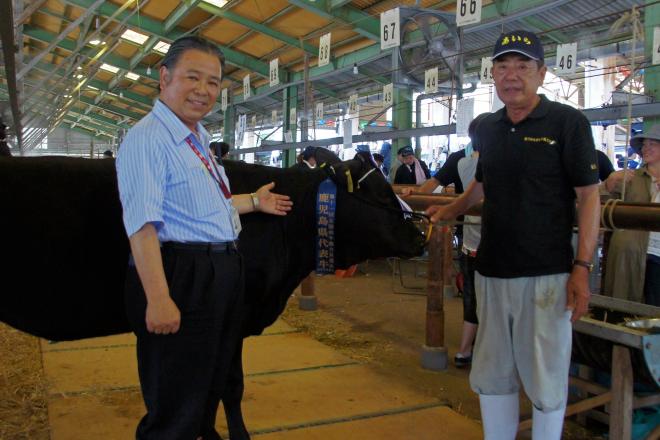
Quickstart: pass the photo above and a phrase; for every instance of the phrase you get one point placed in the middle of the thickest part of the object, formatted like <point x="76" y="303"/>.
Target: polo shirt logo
<point x="546" y="140"/>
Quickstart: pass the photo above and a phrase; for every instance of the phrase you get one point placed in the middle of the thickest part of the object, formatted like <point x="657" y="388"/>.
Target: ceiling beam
<point x="361" y="22"/>
<point x="179" y="13"/>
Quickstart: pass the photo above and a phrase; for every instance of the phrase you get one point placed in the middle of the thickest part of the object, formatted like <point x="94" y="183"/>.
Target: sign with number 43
<point x="566" y="58"/>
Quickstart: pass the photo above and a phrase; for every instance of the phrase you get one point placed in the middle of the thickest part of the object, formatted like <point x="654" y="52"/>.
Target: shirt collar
<point x="175" y="126"/>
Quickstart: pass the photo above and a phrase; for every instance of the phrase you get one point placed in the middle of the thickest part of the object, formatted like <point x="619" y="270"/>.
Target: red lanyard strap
<point x="216" y="176"/>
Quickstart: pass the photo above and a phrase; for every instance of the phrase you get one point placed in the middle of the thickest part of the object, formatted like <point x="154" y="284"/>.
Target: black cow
<point x="64" y="252"/>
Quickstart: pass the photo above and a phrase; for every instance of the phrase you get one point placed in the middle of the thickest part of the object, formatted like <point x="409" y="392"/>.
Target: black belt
<point x="223" y="246"/>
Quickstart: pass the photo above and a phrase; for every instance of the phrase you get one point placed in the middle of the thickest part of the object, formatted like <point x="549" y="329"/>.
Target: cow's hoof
<point x="307" y="303"/>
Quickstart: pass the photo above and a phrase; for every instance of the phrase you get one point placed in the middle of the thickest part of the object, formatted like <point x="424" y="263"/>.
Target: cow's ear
<point x="325" y="156"/>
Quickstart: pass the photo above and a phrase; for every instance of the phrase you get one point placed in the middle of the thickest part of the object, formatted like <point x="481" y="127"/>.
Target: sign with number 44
<point x="566" y="58"/>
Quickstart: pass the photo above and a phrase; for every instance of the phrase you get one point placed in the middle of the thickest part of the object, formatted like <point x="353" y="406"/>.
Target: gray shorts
<point x="524" y="335"/>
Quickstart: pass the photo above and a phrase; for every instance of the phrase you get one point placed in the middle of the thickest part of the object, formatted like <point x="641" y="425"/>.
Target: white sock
<point x="499" y="415"/>
<point x="547" y="426"/>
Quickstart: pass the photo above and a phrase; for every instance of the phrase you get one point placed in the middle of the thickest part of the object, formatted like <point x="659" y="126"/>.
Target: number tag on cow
<point x="656" y="46"/>
<point x="566" y="58"/>
<point x="390" y="36"/>
<point x="468" y="12"/>
<point x="274" y="72"/>
<point x="225" y="100"/>
<point x="431" y="80"/>
<point x="388" y="92"/>
<point x="246" y="87"/>
<point x="486" y="72"/>
<point x="319" y="111"/>
<point x="324" y="49"/>
<point x="352" y="104"/>
<point x="273" y="117"/>
<point x="292" y="116"/>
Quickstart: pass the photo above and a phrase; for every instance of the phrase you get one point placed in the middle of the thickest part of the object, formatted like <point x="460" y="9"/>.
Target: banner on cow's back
<point x="326" y="203"/>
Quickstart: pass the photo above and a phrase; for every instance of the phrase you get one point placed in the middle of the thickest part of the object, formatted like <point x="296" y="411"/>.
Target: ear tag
<point x="349" y="181"/>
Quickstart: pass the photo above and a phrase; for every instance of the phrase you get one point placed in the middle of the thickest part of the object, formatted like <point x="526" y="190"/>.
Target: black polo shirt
<point x="448" y="173"/>
<point x="528" y="171"/>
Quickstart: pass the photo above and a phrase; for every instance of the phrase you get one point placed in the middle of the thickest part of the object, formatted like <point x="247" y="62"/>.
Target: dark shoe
<point x="462" y="361"/>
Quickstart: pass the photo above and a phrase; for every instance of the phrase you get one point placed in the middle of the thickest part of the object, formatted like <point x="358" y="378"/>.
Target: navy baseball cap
<point x="523" y="42"/>
<point x="406" y="151"/>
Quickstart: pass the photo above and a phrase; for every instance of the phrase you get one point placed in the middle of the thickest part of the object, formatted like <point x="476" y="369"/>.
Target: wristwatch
<point x="255" y="201"/>
<point x="588" y="265"/>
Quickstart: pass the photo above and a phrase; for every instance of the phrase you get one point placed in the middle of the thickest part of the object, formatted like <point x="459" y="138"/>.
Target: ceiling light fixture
<point x="95" y="42"/>
<point x="355" y="69"/>
<point x="162" y="47"/>
<point x="132" y="76"/>
<point x="148" y="70"/>
<point x="135" y="37"/>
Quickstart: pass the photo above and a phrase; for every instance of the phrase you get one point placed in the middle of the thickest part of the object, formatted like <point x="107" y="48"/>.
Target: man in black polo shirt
<point x="537" y="158"/>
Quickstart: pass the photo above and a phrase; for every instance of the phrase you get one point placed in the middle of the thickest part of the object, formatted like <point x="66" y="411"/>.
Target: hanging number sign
<point x="292" y="116"/>
<point x="246" y="87"/>
<point x="273" y="117"/>
<point x="486" y="72"/>
<point x="390" y="36"/>
<point x="464" y="115"/>
<point x="656" y="46"/>
<point x="388" y="92"/>
<point x="468" y="12"/>
<point x="319" y="111"/>
<point x="324" y="50"/>
<point x="274" y="72"/>
<point x="224" y="101"/>
<point x="352" y="104"/>
<point x="566" y="58"/>
<point x="431" y="80"/>
<point x="254" y="121"/>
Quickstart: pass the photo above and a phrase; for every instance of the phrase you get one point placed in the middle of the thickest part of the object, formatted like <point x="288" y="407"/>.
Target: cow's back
<point x="67" y="250"/>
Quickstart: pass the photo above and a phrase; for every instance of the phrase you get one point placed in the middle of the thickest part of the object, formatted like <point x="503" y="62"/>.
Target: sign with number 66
<point x="468" y="12"/>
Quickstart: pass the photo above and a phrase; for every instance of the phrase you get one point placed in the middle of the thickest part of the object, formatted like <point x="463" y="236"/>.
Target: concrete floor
<point x="296" y="388"/>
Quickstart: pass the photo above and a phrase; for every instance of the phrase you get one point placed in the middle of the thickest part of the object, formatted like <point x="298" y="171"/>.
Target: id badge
<point x="235" y="220"/>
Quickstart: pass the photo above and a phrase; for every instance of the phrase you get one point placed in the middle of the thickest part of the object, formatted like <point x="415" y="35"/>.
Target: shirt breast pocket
<point x="542" y="160"/>
<point x="202" y="191"/>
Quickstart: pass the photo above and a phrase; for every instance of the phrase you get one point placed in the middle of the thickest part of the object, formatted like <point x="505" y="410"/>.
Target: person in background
<point x="412" y="170"/>
<point x="380" y="161"/>
<point x="184" y="281"/>
<point x="386" y="153"/>
<point x="536" y="157"/>
<point x="605" y="167"/>
<point x="633" y="258"/>
<point x="220" y="150"/>
<point x="108" y="154"/>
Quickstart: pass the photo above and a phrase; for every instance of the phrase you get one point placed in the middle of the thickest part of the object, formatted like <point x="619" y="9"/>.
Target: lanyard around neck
<point x="216" y="176"/>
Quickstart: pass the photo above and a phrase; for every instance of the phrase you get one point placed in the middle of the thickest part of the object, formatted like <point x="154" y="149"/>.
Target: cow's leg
<point x="231" y="399"/>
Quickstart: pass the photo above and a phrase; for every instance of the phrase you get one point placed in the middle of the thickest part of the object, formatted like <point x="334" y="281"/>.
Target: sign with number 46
<point x="566" y="58"/>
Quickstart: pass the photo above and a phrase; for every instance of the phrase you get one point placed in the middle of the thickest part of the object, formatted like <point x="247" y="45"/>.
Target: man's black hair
<point x="190" y="42"/>
<point x="219" y="148"/>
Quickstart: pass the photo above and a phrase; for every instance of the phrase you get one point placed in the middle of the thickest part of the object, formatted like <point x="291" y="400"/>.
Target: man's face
<point x="192" y="86"/>
<point x="517" y="78"/>
<point x="311" y="161"/>
<point x="408" y="160"/>
<point x="651" y="151"/>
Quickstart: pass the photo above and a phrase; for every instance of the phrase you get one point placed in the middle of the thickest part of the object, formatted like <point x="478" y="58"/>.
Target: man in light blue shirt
<point x="184" y="286"/>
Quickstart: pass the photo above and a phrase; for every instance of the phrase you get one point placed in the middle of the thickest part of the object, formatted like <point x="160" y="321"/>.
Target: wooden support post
<point x="307" y="300"/>
<point x="448" y="263"/>
<point x="434" y="353"/>
<point x="622" y="394"/>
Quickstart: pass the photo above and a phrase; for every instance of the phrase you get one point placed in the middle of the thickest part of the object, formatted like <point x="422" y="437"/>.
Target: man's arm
<point x="162" y="316"/>
<point x="469" y="198"/>
<point x="577" y="287"/>
<point x="268" y="202"/>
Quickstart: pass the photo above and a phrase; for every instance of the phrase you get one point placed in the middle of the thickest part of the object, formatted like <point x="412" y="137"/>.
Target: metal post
<point x="434" y="353"/>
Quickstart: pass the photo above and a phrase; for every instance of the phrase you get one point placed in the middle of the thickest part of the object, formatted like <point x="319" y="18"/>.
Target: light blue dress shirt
<point x="162" y="181"/>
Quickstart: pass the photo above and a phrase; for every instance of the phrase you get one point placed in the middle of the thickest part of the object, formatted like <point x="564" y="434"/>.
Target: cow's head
<point x="370" y="222"/>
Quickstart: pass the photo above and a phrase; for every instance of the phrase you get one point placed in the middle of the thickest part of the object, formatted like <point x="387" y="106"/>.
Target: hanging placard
<point x="288" y="137"/>
<point x="486" y="72"/>
<point x="242" y="125"/>
<point x="390" y="36"/>
<point x="388" y="95"/>
<point x="431" y="80"/>
<point x="355" y="121"/>
<point x="464" y="115"/>
<point x="348" y="133"/>
<point x="566" y="58"/>
<point x="352" y="104"/>
<point x="254" y="121"/>
<point x="468" y="12"/>
<point x="246" y="87"/>
<point x="319" y="111"/>
<point x="274" y="72"/>
<point x="324" y="49"/>
<point x="273" y="117"/>
<point x="292" y="116"/>
<point x="225" y="100"/>
<point x="656" y="46"/>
